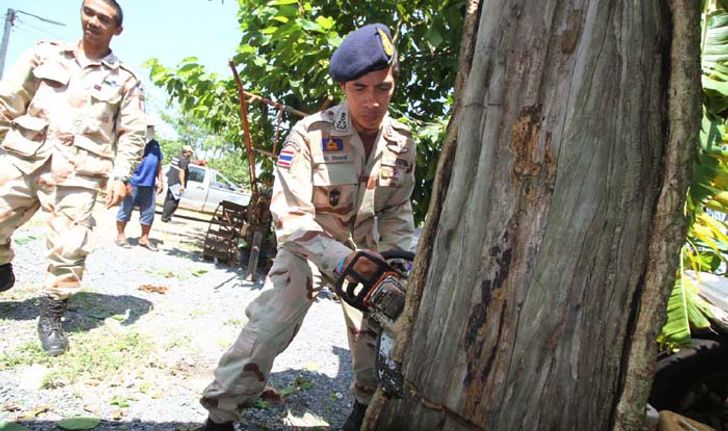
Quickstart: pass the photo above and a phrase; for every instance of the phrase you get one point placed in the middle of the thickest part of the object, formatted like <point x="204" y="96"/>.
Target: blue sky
<point x="169" y="30"/>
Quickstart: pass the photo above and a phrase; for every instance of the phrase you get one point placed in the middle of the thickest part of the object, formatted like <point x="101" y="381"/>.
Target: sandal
<point x="123" y="243"/>
<point x="149" y="246"/>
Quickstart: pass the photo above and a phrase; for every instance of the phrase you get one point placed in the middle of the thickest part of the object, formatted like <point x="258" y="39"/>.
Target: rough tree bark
<point x="555" y="236"/>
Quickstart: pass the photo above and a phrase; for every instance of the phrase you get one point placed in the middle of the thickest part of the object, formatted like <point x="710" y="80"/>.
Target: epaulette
<point x="326" y="116"/>
<point x="47" y="48"/>
<point x="400" y="127"/>
<point x="130" y="70"/>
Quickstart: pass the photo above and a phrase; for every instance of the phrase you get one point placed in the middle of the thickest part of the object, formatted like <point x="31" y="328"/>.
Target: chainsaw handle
<point x="350" y="294"/>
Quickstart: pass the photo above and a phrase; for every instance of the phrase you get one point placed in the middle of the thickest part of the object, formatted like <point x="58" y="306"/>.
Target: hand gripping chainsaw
<point x="382" y="296"/>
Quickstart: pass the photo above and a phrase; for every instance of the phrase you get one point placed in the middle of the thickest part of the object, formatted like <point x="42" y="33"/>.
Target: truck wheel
<point x="694" y="382"/>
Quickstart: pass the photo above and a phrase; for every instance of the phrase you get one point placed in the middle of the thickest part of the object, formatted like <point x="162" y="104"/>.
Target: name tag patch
<point x="336" y="158"/>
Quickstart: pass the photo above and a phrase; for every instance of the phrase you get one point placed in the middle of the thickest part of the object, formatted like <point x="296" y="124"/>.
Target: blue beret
<point x="364" y="50"/>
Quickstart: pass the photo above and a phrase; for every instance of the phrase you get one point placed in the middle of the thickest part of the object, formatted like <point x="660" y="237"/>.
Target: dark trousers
<point x="170" y="206"/>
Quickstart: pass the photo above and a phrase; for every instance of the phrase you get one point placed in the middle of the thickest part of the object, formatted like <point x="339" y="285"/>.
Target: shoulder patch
<point x="285" y="158"/>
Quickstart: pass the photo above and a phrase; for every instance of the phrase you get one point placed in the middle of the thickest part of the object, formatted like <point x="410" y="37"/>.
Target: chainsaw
<point x="382" y="297"/>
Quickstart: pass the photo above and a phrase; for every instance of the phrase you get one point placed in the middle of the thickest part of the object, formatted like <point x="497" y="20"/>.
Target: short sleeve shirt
<point x="179" y="163"/>
<point x="145" y="174"/>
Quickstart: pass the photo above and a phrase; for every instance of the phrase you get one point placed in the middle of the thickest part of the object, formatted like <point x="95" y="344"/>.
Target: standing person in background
<point x="71" y="122"/>
<point x="145" y="181"/>
<point x="177" y="177"/>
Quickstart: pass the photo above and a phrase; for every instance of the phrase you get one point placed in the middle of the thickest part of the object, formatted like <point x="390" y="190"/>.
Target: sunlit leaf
<point x="80" y="423"/>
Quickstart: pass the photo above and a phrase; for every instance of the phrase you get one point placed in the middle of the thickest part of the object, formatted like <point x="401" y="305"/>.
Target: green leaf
<point x="676" y="331"/>
<point x="25" y="240"/>
<point x="12" y="426"/>
<point x="199" y="272"/>
<point x="79" y="423"/>
<point x="283" y="2"/>
<point x="326" y="23"/>
<point x="260" y="404"/>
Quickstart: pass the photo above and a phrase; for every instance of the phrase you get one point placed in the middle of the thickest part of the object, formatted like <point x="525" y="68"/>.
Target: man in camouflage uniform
<point x="343" y="182"/>
<point x="71" y="122"/>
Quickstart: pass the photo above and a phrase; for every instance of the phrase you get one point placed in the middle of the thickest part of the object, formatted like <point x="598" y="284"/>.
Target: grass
<point x="235" y="323"/>
<point x="101" y="355"/>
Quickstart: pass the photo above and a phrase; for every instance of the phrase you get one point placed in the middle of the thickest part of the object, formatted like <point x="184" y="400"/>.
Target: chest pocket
<point x="334" y="188"/>
<point x="105" y="93"/>
<point x="26" y="135"/>
<point x="53" y="75"/>
<point x="392" y="170"/>
<point x="104" y="100"/>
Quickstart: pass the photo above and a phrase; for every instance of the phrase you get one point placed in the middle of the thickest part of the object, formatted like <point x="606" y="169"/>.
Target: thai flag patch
<point x="285" y="158"/>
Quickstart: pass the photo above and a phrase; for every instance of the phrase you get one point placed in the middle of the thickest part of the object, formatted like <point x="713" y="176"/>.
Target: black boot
<point x="356" y="417"/>
<point x="7" y="278"/>
<point x="50" y="327"/>
<point x="213" y="426"/>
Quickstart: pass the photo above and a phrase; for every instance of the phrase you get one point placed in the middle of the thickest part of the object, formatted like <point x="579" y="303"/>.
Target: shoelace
<point x="51" y="324"/>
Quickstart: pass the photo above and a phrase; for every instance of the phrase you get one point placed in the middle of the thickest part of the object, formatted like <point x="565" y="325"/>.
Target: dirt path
<point x="139" y="359"/>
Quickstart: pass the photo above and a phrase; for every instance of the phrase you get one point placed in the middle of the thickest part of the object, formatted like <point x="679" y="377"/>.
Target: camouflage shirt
<point x="87" y="114"/>
<point x="328" y="198"/>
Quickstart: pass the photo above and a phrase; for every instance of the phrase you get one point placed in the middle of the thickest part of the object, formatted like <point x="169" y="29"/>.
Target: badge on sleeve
<point x="332" y="144"/>
<point x="285" y="158"/>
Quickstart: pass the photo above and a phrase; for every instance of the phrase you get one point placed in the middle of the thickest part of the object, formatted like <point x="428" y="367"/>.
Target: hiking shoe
<point x="356" y="417"/>
<point x="214" y="426"/>
<point x="7" y="278"/>
<point x="50" y="327"/>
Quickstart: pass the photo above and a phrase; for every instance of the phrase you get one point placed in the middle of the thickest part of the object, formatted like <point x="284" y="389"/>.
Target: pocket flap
<point x="334" y="174"/>
<point x="29" y="122"/>
<point x="106" y="93"/>
<point x="52" y="72"/>
<point x="92" y="147"/>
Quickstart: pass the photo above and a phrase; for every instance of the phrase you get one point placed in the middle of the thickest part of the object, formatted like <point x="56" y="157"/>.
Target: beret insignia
<point x="386" y="43"/>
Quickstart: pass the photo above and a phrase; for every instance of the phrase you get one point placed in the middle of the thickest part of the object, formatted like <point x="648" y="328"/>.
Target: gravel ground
<point x="140" y="360"/>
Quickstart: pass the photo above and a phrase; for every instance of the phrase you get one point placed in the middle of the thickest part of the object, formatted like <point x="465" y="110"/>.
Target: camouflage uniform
<point x="327" y="200"/>
<point x="67" y="124"/>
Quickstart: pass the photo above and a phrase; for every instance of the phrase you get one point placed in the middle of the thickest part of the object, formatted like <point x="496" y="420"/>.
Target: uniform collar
<point x="342" y="123"/>
<point x="110" y="60"/>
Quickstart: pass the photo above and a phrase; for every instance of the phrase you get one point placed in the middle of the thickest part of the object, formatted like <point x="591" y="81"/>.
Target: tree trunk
<point x="560" y="220"/>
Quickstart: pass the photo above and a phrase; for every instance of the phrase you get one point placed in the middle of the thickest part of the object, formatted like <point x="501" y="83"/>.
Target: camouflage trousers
<point x="273" y="320"/>
<point x="68" y="222"/>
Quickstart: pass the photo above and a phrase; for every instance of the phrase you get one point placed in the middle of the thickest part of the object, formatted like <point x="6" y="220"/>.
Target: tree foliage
<point x="707" y="203"/>
<point x="284" y="53"/>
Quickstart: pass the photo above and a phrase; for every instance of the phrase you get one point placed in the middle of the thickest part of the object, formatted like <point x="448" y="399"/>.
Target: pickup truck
<point x="206" y="188"/>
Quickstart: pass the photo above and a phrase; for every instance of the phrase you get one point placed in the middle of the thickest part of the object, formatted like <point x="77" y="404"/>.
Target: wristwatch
<point x="123" y="178"/>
